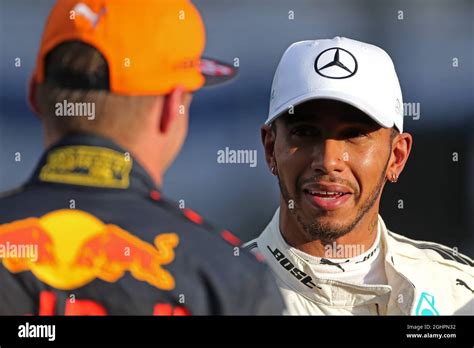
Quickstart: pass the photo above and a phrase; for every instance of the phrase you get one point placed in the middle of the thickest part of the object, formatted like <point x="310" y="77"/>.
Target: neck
<point x="359" y="239"/>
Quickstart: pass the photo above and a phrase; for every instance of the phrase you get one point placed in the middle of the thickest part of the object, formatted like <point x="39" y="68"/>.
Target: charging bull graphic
<point x="74" y="248"/>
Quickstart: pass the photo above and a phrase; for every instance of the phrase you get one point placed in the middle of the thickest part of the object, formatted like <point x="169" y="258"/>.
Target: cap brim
<point x="216" y="72"/>
<point x="336" y="96"/>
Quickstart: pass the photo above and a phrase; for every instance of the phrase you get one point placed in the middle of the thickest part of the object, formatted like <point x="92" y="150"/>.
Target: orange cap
<point x="151" y="46"/>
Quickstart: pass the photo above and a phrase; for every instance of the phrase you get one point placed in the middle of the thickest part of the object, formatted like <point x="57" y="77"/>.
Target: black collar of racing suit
<point x="96" y="146"/>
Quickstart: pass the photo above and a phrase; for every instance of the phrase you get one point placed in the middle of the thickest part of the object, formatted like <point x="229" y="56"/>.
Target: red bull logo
<point x="74" y="248"/>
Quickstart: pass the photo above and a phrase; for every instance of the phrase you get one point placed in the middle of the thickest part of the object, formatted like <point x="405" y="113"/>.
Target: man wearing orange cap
<point x="90" y="232"/>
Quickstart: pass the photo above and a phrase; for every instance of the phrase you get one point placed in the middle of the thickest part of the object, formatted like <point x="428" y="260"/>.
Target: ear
<point x="401" y="148"/>
<point x="268" y="140"/>
<point x="170" y="108"/>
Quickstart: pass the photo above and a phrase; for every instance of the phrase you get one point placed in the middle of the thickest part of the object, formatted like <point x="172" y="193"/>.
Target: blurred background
<point x="430" y="42"/>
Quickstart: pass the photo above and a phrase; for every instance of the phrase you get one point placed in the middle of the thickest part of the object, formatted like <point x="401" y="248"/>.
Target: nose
<point x="329" y="156"/>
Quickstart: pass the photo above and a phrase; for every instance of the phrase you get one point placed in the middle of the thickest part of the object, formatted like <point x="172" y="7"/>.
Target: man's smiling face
<point x="331" y="161"/>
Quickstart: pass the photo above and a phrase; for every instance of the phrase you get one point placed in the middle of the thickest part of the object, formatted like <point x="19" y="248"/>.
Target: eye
<point x="354" y="133"/>
<point x="303" y="131"/>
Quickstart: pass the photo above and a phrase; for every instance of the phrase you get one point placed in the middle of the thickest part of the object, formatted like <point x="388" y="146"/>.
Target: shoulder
<point x="437" y="270"/>
<point x="189" y="222"/>
<point x="214" y="246"/>
<point x="429" y="251"/>
<point x="217" y="256"/>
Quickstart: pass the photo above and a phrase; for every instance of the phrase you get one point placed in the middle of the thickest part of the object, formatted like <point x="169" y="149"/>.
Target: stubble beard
<point x="328" y="232"/>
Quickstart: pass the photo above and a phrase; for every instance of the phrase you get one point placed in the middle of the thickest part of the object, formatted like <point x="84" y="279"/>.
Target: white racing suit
<point x="423" y="278"/>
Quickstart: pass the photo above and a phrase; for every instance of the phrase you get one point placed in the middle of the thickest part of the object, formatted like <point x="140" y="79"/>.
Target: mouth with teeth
<point x="327" y="200"/>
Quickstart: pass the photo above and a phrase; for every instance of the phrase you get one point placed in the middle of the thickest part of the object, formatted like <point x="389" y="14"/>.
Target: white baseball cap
<point x="341" y="69"/>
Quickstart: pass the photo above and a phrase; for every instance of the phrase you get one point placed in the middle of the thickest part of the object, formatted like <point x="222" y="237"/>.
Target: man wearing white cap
<point x="333" y="137"/>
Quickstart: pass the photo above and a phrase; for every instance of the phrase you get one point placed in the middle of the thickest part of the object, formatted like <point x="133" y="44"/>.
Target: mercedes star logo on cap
<point x="335" y="63"/>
